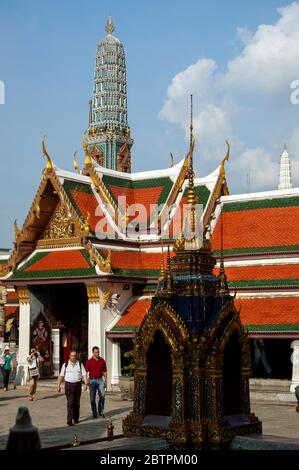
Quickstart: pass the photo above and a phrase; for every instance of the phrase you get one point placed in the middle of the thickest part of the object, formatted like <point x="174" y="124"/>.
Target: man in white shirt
<point x="73" y="372"/>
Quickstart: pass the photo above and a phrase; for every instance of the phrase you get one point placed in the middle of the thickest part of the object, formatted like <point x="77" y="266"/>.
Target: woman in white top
<point x="33" y="360"/>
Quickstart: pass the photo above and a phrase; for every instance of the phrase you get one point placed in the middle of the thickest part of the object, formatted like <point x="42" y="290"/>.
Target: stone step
<point x="277" y="385"/>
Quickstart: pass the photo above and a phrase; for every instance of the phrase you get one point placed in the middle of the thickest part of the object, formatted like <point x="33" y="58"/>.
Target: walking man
<point x="97" y="369"/>
<point x="73" y="373"/>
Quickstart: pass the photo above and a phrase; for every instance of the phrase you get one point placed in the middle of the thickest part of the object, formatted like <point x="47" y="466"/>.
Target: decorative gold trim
<point x="49" y="166"/>
<point x="23" y="294"/>
<point x="97" y="259"/>
<point x="92" y="293"/>
<point x="76" y="166"/>
<point x="58" y="243"/>
<point x="106" y="296"/>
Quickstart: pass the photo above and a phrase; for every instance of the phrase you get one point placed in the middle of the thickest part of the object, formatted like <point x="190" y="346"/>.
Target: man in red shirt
<point x="97" y="370"/>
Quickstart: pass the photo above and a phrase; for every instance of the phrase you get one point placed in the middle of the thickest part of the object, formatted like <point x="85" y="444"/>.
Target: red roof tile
<point x="136" y="260"/>
<point x="267" y="311"/>
<point x="134" y="314"/>
<point x="130" y="196"/>
<point x="60" y="260"/>
<point x="267" y="227"/>
<point x="283" y="271"/>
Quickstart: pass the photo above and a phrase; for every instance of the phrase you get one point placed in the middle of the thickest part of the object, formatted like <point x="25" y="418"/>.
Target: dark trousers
<point x="5" y="374"/>
<point x="73" y="395"/>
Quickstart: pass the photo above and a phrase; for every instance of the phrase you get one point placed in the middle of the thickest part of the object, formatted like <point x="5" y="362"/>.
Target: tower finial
<point x="110" y="26"/>
<point x="223" y="286"/>
<point x="191" y="194"/>
<point x="162" y="268"/>
<point x="168" y="271"/>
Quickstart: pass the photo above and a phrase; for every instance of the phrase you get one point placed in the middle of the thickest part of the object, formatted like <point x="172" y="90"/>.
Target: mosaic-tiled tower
<point x="109" y="141"/>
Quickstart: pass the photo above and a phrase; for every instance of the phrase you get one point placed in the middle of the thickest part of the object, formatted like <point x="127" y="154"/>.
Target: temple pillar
<point x="115" y="364"/>
<point x="56" y="351"/>
<point x="295" y="362"/>
<point x="24" y="336"/>
<point x="94" y="319"/>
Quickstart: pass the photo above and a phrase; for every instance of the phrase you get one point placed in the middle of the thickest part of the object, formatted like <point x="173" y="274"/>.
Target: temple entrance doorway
<point x="64" y="310"/>
<point x="159" y="377"/>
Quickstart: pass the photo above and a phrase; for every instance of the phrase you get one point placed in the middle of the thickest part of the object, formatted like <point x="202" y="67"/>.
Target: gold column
<point x="23" y="294"/>
<point x="92" y="293"/>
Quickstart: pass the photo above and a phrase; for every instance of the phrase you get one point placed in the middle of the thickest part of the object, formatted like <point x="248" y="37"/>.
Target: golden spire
<point x="225" y="159"/>
<point x="88" y="160"/>
<point x="76" y="166"/>
<point x="109" y="26"/>
<point x="168" y="271"/>
<point x="162" y="269"/>
<point x="171" y="160"/>
<point x="17" y="230"/>
<point x="49" y="166"/>
<point x="191" y="194"/>
<point x="223" y="287"/>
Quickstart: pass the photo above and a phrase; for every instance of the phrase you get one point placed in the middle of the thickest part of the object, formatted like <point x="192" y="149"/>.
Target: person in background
<point x="73" y="373"/>
<point x="97" y="369"/>
<point x="7" y="367"/>
<point x="34" y="359"/>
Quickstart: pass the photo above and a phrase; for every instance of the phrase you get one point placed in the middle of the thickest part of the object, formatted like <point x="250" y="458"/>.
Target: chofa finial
<point x="110" y="26"/>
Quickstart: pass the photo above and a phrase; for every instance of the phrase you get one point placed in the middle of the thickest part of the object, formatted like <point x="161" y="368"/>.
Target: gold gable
<point x="60" y="225"/>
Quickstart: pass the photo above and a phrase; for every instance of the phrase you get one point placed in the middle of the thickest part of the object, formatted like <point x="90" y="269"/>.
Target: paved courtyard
<point x="49" y="415"/>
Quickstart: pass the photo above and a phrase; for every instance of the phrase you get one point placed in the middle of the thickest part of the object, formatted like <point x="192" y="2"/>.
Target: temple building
<point x="82" y="272"/>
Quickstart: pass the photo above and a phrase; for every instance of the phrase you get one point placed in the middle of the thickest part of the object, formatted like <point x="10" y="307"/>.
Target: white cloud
<point x="257" y="163"/>
<point x="266" y="66"/>
<point x="270" y="59"/>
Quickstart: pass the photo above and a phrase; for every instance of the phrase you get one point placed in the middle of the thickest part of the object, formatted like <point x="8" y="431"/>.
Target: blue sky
<point x="47" y="52"/>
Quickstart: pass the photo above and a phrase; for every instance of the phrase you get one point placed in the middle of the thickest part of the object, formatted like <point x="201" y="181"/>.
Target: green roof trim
<point x="21" y="273"/>
<point x="261" y="204"/>
<point x="260" y="249"/>
<point x="201" y="192"/>
<point x="137" y="272"/>
<point x="125" y="329"/>
<point x="280" y="328"/>
<point x="264" y="283"/>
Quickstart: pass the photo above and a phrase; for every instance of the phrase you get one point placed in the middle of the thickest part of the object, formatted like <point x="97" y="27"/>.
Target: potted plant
<point x="126" y="381"/>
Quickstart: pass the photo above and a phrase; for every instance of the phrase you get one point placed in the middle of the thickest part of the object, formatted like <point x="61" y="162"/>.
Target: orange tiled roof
<point x="269" y="311"/>
<point x="144" y="196"/>
<point x="87" y="203"/>
<point x="52" y="264"/>
<point x="256" y="228"/>
<point x="133" y="316"/>
<point x="57" y="260"/>
<point x="282" y="271"/>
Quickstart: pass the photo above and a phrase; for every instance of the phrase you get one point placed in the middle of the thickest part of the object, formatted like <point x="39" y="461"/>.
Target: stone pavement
<point x="49" y="415"/>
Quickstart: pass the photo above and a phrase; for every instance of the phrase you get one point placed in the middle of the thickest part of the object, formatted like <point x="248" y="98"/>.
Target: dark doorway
<point x="232" y="394"/>
<point x="159" y="377"/>
<point x="64" y="307"/>
<point x="271" y="358"/>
